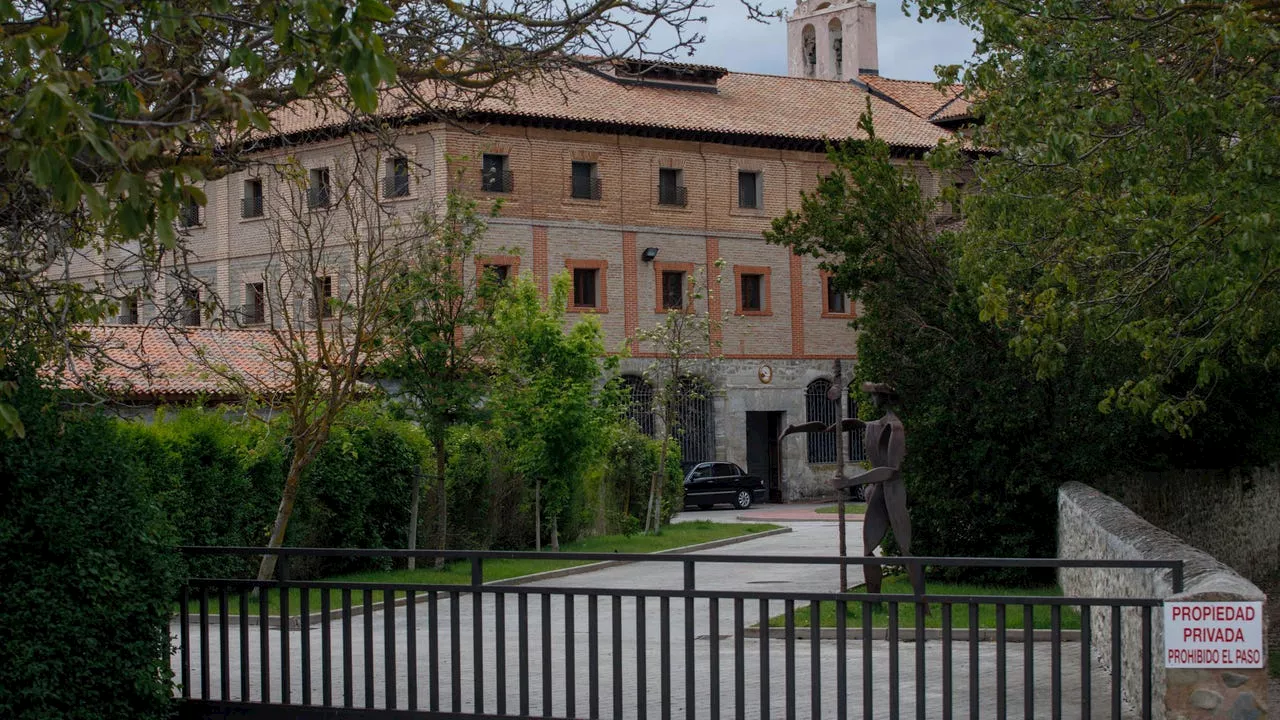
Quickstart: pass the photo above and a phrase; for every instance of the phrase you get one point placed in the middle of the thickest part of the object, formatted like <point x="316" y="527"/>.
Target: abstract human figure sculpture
<point x="886" y="494"/>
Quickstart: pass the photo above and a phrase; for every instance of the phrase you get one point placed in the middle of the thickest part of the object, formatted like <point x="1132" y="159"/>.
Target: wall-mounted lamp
<point x="649" y="254"/>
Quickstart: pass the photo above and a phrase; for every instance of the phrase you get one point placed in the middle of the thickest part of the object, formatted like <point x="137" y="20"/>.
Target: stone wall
<point x="1216" y="511"/>
<point x="1092" y="525"/>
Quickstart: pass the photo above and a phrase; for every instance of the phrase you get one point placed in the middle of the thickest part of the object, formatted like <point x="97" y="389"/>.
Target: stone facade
<point x="1094" y="526"/>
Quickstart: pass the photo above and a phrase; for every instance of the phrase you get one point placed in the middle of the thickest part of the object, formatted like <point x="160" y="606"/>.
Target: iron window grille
<point x="190" y="214"/>
<point x="318" y="194"/>
<point x="191" y="308"/>
<point x="254" y="310"/>
<point x="857" y="447"/>
<point x="396" y="183"/>
<point x="495" y="175"/>
<point x="752" y="295"/>
<point x="251" y="206"/>
<point x="129" y="311"/>
<point x="672" y="290"/>
<point x="585" y="181"/>
<point x="640" y="403"/>
<point x="749" y="190"/>
<point x="837" y="301"/>
<point x="694" y="422"/>
<point x="817" y="407"/>
<point x="670" y="189"/>
<point x="584" y="287"/>
<point x="320" y="304"/>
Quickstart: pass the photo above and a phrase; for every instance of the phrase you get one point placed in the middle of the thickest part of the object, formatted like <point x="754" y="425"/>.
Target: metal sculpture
<point x="885" y="492"/>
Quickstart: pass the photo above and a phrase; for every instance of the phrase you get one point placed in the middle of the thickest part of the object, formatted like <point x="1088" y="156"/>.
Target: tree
<point x="546" y="396"/>
<point x="328" y="289"/>
<point x="114" y="113"/>
<point x="442" y="333"/>
<point x="1134" y="204"/>
<point x="686" y="341"/>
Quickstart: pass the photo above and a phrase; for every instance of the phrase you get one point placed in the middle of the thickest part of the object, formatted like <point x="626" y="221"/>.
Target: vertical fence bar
<point x="975" y="680"/>
<point x="1028" y="661"/>
<point x="455" y="651"/>
<point x="570" y="672"/>
<point x="946" y="662"/>
<point x="1117" y="669"/>
<point x="1146" y="662"/>
<point x="546" y="654"/>
<point x="740" y="659"/>
<point x="522" y="617"/>
<point x="1086" y="657"/>
<point x="348" y="672"/>
<point x="500" y="649"/>
<point x="842" y="660"/>
<point x="433" y="649"/>
<point x="664" y="655"/>
<point x="789" y="658"/>
<point x="1002" y="709"/>
<point x="690" y="702"/>
<point x="477" y="633"/>
<point x="1055" y="672"/>
<point x="286" y="679"/>
<point x="642" y="672"/>
<point x="713" y="637"/>
<point x="224" y="646"/>
<point x="411" y="645"/>
<point x="244" y="643"/>
<point x="264" y="640"/>
<point x="593" y="656"/>
<point x="389" y="648"/>
<point x="616" y="621"/>
<point x="184" y="638"/>
<point x="304" y="615"/>
<point x="919" y="672"/>
<point x="815" y="659"/>
<point x="366" y="622"/>
<point x="868" y="703"/>
<point x="204" y="643"/>
<point x="764" y="658"/>
<point x="326" y="651"/>
<point x="895" y="678"/>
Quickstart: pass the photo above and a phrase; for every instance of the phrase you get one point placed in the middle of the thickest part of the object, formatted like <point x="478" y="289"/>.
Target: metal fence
<point x="374" y="650"/>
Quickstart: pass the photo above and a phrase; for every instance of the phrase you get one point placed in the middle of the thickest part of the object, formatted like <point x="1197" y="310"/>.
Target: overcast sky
<point x="908" y="49"/>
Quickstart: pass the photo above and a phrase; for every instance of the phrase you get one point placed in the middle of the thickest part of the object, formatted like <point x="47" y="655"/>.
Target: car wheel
<point x="743" y="501"/>
<point x="705" y="507"/>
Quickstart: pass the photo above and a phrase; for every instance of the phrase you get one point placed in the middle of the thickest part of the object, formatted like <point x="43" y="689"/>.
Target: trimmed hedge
<point x="88" y="569"/>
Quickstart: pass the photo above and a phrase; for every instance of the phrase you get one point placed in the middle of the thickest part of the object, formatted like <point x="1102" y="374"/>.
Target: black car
<point x="708" y="483"/>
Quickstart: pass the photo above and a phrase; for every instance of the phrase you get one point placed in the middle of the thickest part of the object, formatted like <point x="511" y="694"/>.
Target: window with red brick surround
<point x="511" y="262"/>
<point x="763" y="272"/>
<point x="828" y="294"/>
<point x="659" y="269"/>
<point x="590" y="285"/>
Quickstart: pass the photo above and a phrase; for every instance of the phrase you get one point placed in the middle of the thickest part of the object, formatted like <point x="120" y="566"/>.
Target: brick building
<point x="635" y="177"/>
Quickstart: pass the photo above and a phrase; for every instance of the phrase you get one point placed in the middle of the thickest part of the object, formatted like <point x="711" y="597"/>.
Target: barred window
<point x="640" y="403"/>
<point x="695" y="426"/>
<point x="822" y="446"/>
<point x="857" y="447"/>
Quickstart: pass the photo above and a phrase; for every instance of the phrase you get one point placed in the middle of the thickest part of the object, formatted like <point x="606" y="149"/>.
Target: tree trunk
<point x="442" y="496"/>
<point x="287" y="498"/>
<point x="537" y="516"/>
<point x="415" y="499"/>
<point x="653" y="515"/>
<point x="555" y="535"/>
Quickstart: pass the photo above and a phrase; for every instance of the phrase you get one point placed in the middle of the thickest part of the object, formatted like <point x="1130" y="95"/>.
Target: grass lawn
<point x="851" y="508"/>
<point x="899" y="584"/>
<point x="459" y="572"/>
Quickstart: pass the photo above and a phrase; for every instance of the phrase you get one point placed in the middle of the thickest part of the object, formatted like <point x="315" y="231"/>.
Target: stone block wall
<point x="1094" y="526"/>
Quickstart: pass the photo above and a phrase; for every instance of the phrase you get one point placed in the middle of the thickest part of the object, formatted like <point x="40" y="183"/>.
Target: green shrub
<point x="629" y="462"/>
<point x="489" y="507"/>
<point x="88" y="569"/>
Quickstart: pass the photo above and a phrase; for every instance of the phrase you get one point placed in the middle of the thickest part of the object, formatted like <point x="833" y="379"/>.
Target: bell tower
<point x="832" y="39"/>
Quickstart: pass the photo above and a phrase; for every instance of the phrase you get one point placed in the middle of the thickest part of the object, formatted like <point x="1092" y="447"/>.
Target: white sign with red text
<point x="1213" y="634"/>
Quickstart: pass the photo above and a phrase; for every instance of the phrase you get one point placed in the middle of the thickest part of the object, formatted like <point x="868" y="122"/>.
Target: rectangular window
<point x="322" y="297"/>
<point x="129" y="310"/>
<point x="396" y="184"/>
<point x="497" y="274"/>
<point x="837" y="301"/>
<point x="585" y="281"/>
<point x="672" y="290"/>
<point x="585" y="181"/>
<point x="495" y="174"/>
<point x="752" y="293"/>
<point x="319" y="190"/>
<point x="191" y="308"/>
<point x="749" y="190"/>
<point x="671" y="189"/>
<point x="189" y="215"/>
<point x="251" y="205"/>
<point x="255" y="304"/>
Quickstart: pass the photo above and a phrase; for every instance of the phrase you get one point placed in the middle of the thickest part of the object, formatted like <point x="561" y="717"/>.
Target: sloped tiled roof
<point x="923" y="99"/>
<point x="144" y="361"/>
<point x="743" y="104"/>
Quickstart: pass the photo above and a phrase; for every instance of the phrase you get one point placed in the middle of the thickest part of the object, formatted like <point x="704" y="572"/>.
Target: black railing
<point x="672" y="195"/>
<point x="498" y="182"/>
<point x="477" y="649"/>
<point x="395" y="186"/>
<point x="318" y="196"/>
<point x="586" y="188"/>
<point x="189" y="215"/>
<point x="249" y="314"/>
<point x="251" y="206"/>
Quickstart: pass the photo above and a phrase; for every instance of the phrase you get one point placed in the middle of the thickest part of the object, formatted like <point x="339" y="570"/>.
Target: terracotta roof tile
<point x="743" y="104"/>
<point x="923" y="99"/>
<point x="147" y="361"/>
